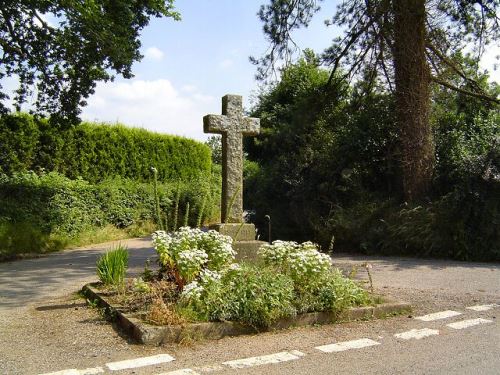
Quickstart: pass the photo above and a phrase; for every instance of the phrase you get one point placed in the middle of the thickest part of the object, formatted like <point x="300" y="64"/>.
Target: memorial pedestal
<point x="244" y="242"/>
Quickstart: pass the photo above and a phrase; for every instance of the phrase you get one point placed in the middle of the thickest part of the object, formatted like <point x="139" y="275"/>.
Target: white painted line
<point x="73" y="371"/>
<point x="211" y="368"/>
<point x="346" y="345"/>
<point x="417" y="334"/>
<point x="140" y="362"/>
<point x="483" y="307"/>
<point x="468" y="323"/>
<point x="265" y="359"/>
<point x="439" y="315"/>
<point x="184" y="371"/>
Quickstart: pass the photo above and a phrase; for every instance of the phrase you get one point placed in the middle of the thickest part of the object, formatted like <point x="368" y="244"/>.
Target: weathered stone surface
<point x="233" y="126"/>
<point x="246" y="251"/>
<point x="238" y="232"/>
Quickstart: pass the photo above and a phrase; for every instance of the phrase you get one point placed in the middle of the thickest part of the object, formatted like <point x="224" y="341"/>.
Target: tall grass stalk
<point x="176" y="208"/>
<point x="186" y="215"/>
<point x="199" y="220"/>
<point x="157" y="198"/>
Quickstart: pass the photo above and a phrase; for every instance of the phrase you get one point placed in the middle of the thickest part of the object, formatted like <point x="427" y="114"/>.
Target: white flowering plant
<point x="303" y="262"/>
<point x="189" y="251"/>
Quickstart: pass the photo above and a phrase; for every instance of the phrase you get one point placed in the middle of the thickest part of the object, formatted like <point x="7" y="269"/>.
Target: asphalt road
<point x="44" y="328"/>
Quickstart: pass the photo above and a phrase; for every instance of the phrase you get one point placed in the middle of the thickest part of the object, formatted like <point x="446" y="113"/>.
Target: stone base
<point x="244" y="243"/>
<point x="246" y="251"/>
<point x="237" y="231"/>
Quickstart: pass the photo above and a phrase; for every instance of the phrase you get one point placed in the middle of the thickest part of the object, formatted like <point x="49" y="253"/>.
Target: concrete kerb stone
<point x="148" y="334"/>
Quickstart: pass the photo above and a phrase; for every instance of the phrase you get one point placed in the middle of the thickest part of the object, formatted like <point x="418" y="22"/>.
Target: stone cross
<point x="233" y="126"/>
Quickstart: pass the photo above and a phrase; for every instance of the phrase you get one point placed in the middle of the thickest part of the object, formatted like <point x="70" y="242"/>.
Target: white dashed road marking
<point x="468" y="323"/>
<point x="140" y="362"/>
<point x="211" y="368"/>
<point x="184" y="371"/>
<point x="265" y="359"/>
<point x="73" y="371"/>
<point x="417" y="334"/>
<point x="483" y="307"/>
<point x="439" y="315"/>
<point x="346" y="345"/>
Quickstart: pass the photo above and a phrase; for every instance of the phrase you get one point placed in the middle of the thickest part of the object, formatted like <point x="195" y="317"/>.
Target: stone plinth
<point x="244" y="242"/>
<point x="246" y="251"/>
<point x="237" y="231"/>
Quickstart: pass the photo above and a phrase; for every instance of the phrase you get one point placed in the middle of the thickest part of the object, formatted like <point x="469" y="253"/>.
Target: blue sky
<point x="189" y="65"/>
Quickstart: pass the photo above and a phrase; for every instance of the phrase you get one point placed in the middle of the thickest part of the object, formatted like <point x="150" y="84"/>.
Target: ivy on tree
<point x="401" y="45"/>
<point x="59" y="64"/>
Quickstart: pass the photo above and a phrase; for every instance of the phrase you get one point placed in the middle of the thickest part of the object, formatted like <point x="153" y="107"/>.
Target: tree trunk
<point x="413" y="97"/>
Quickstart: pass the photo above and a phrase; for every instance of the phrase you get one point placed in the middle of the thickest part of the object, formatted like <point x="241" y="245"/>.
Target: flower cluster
<point x="190" y="262"/>
<point x="219" y="249"/>
<point x="302" y="262"/>
<point x="190" y="251"/>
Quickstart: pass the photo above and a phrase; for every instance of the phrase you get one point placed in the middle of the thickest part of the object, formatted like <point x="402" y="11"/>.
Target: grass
<point x="111" y="266"/>
<point x="22" y="240"/>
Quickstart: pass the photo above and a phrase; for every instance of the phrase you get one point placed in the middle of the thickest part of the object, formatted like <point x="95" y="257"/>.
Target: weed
<point x="186" y="215"/>
<point x="111" y="266"/>
<point x="176" y="208"/>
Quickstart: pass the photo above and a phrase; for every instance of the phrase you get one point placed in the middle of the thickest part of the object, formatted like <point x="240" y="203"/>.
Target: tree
<point x="61" y="64"/>
<point x="404" y="45"/>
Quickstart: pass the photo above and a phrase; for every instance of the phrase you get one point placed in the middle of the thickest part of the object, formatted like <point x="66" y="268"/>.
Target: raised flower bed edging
<point x="149" y="334"/>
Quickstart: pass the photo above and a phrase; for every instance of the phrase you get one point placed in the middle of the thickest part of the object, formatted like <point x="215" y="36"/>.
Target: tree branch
<point x="464" y="91"/>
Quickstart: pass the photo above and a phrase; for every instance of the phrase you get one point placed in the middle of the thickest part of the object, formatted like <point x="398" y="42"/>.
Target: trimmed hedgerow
<point x="95" y="152"/>
<point x="47" y="211"/>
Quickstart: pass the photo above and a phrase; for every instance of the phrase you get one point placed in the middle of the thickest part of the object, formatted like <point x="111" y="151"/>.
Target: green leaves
<point x="111" y="266"/>
<point x="60" y="49"/>
<point x="95" y="152"/>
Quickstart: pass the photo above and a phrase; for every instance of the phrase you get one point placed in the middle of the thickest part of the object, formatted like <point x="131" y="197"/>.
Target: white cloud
<point x="154" y="105"/>
<point x="154" y="54"/>
<point x="189" y="88"/>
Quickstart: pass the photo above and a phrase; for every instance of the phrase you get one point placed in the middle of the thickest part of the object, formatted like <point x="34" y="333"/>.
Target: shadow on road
<point x="26" y="281"/>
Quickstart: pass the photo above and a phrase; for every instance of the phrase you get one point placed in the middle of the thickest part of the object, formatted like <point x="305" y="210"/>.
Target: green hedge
<point x="95" y="152"/>
<point x="44" y="212"/>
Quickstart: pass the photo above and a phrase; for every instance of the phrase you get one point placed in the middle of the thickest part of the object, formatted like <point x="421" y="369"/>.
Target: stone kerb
<point x="148" y="334"/>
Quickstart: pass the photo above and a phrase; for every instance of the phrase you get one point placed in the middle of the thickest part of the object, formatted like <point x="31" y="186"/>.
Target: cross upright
<point x="233" y="126"/>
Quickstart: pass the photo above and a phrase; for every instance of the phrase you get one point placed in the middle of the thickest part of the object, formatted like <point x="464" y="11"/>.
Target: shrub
<point x="302" y="262"/>
<point x="112" y="266"/>
<point x="331" y="291"/>
<point x="56" y="211"/>
<point x="296" y="278"/>
<point x="250" y="295"/>
<point x="95" y="152"/>
<point x="185" y="253"/>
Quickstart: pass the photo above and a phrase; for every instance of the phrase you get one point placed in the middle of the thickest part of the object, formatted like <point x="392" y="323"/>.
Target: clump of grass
<point x="112" y="266"/>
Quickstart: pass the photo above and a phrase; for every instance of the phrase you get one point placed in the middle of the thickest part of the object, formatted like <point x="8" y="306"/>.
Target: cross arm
<point x="215" y="124"/>
<point x="250" y="126"/>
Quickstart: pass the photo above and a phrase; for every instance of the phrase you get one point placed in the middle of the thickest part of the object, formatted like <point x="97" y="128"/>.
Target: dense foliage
<point x="296" y="278"/>
<point x="402" y="46"/>
<point x="96" y="152"/>
<point x="60" y="49"/>
<point x="43" y="212"/>
<point x="327" y="169"/>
